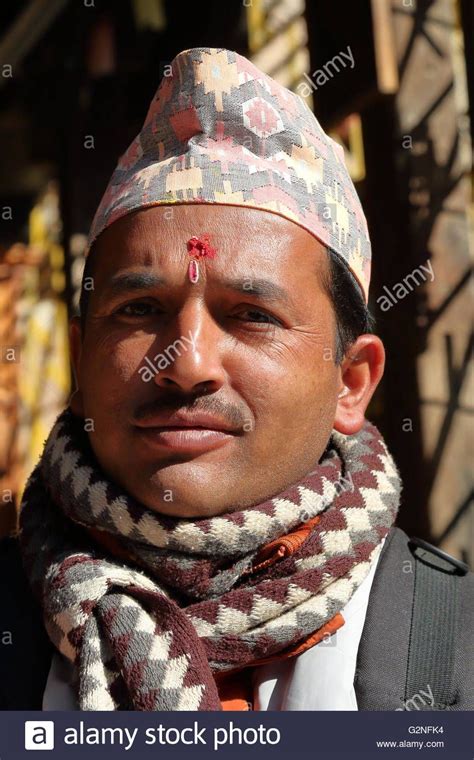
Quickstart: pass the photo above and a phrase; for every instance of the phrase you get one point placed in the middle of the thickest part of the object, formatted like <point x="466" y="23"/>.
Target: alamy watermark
<point x="165" y="358"/>
<point x="319" y="77"/>
<point x="344" y="483"/>
<point x="417" y="701"/>
<point x="403" y="288"/>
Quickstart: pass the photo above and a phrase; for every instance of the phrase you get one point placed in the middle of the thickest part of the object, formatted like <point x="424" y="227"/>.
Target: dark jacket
<point x="381" y="674"/>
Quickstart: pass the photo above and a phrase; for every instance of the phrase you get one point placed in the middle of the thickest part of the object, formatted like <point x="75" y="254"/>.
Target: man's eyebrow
<point x="124" y="283"/>
<point x="130" y="281"/>
<point x="266" y="289"/>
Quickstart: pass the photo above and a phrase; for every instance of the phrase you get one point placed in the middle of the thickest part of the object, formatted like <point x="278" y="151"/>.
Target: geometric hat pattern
<point x="221" y="131"/>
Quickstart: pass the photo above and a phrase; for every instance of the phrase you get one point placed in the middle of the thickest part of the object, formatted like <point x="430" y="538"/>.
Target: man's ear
<point x="75" y="346"/>
<point x="360" y="374"/>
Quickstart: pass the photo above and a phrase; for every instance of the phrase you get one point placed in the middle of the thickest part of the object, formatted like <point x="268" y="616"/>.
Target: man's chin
<point x="184" y="505"/>
<point x="186" y="511"/>
<point x="187" y="489"/>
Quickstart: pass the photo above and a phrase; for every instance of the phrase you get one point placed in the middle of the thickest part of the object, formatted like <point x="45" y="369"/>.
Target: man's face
<point x="249" y="348"/>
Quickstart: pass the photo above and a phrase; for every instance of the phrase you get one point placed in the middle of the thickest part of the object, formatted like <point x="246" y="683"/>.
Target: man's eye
<point x="137" y="309"/>
<point x="255" y="315"/>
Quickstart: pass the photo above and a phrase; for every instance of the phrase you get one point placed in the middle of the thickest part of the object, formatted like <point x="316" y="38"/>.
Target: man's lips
<point x="186" y="431"/>
<point x="187" y="419"/>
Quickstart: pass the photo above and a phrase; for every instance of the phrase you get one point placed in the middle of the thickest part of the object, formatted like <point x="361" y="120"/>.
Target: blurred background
<point x="76" y="79"/>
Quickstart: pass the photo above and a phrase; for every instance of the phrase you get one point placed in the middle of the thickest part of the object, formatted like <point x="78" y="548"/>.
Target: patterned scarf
<point x="190" y="600"/>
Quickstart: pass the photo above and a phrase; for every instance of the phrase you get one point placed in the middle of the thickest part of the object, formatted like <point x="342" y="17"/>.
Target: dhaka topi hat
<point x="220" y="131"/>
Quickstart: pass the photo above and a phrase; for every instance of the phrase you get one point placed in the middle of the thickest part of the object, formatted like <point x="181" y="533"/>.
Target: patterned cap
<point x="220" y="131"/>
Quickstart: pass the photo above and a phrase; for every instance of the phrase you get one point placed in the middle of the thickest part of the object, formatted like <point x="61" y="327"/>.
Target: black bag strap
<point x="434" y="625"/>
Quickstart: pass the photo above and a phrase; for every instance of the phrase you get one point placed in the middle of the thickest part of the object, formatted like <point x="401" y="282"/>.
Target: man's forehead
<point x="248" y="242"/>
<point x="188" y="219"/>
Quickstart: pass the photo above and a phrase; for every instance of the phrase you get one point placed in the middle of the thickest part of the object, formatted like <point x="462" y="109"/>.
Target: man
<point x="211" y="523"/>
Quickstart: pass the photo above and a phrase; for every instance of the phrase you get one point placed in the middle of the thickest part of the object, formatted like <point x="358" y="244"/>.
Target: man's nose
<point x="193" y="353"/>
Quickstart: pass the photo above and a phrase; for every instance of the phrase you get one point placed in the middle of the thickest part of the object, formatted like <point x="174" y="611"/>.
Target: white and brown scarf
<point x="189" y="602"/>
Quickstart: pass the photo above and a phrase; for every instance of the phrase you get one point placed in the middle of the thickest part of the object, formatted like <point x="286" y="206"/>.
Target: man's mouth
<point x="186" y="431"/>
<point x="193" y="440"/>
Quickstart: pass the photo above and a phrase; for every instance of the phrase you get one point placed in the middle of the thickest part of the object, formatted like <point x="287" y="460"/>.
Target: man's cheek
<point x="119" y="363"/>
<point x="302" y="409"/>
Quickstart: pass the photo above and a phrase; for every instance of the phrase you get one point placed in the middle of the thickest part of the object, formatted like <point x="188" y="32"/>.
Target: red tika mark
<point x="193" y="271"/>
<point x="198" y="248"/>
<point x="201" y="247"/>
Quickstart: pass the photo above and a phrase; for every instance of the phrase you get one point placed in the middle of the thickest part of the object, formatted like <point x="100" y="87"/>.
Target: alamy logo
<point x="39" y="734"/>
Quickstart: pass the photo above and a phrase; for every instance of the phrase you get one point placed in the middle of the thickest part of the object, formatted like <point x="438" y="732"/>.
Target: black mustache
<point x="212" y="405"/>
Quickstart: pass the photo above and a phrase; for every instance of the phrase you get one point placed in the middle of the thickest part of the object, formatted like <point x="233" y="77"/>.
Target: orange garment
<point x="235" y="686"/>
